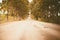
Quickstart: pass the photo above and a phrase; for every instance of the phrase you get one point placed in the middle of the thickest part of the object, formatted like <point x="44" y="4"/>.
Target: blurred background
<point x="41" y="10"/>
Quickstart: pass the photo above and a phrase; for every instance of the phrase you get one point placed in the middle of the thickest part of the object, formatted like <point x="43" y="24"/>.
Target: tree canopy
<point x="47" y="10"/>
<point x="18" y="6"/>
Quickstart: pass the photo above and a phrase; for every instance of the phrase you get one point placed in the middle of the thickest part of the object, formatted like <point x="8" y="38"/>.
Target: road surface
<point x="29" y="30"/>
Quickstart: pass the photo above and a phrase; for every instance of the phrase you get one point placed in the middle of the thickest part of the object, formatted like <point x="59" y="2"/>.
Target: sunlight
<point x="0" y="1"/>
<point x="30" y="1"/>
<point x="13" y="27"/>
<point x="2" y="11"/>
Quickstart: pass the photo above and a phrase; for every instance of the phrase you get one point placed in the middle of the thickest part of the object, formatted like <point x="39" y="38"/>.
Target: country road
<point x="29" y="30"/>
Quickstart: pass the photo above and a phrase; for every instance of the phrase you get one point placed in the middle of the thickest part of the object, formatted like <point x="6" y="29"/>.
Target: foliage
<point x="18" y="6"/>
<point x="47" y="10"/>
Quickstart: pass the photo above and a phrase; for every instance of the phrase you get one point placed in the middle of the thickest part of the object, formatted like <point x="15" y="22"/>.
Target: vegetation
<point x="47" y="10"/>
<point x="42" y="10"/>
<point x="18" y="6"/>
<point x="13" y="9"/>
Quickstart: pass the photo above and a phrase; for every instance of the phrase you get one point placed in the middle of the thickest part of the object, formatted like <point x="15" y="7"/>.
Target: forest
<point x="41" y="10"/>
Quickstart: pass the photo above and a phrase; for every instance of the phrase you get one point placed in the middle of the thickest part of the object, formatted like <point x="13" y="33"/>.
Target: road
<point x="29" y="30"/>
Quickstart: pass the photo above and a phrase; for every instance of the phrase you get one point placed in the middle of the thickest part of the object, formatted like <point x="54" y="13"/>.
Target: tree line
<point x="18" y="8"/>
<point x="42" y="10"/>
<point x="46" y="10"/>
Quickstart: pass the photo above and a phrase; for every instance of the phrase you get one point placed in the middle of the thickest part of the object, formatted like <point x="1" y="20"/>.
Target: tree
<point x="47" y="10"/>
<point x="20" y="7"/>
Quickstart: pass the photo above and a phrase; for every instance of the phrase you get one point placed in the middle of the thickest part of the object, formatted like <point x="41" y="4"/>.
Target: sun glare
<point x="30" y="1"/>
<point x="0" y="1"/>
